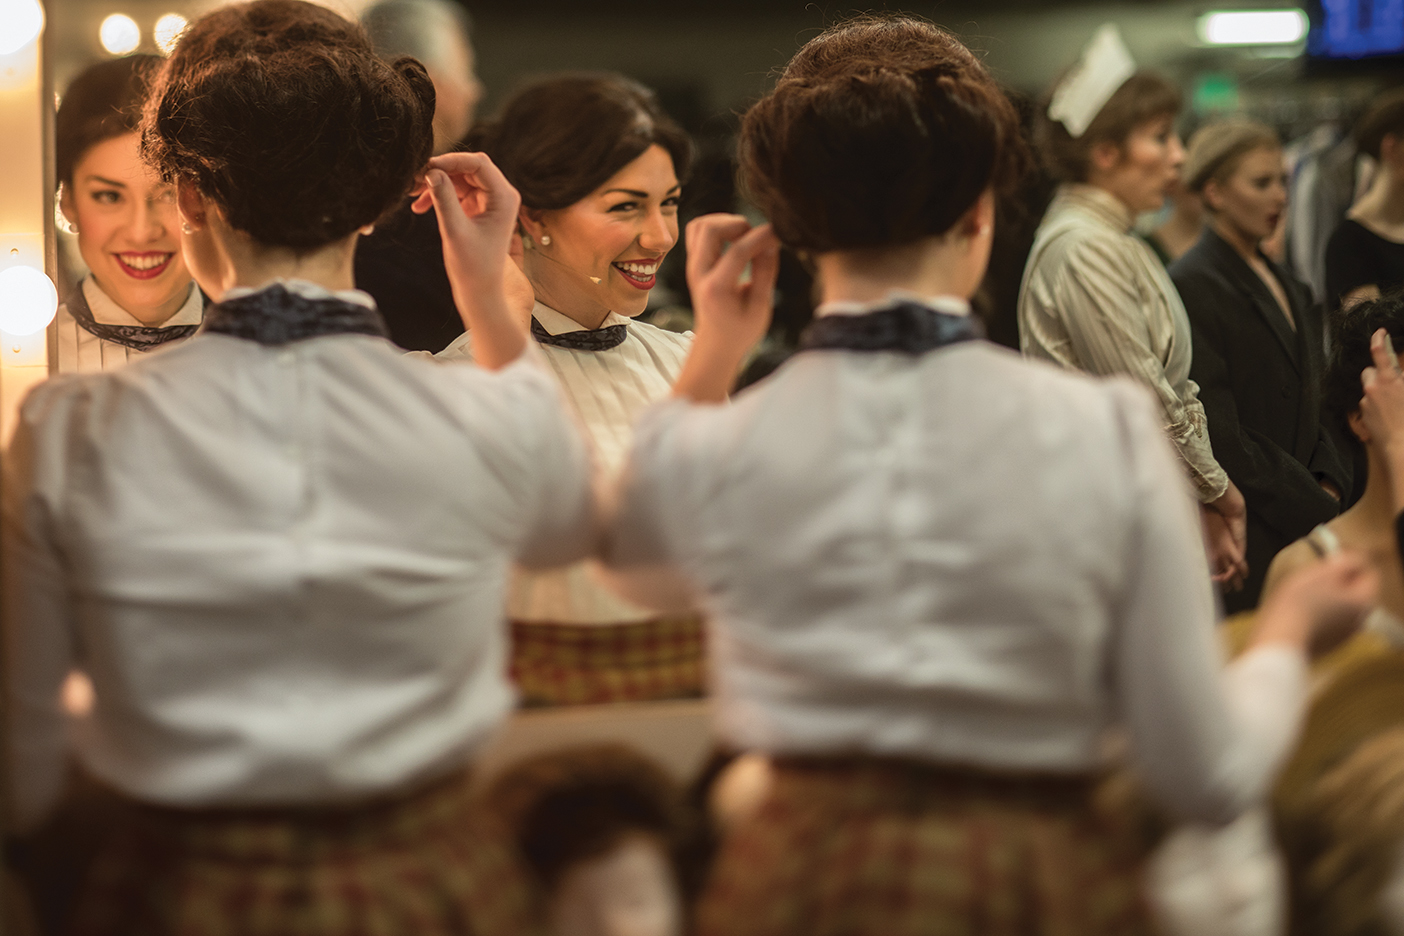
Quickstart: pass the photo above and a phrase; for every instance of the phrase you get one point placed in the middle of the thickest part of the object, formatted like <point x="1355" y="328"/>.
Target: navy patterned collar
<point x="903" y="326"/>
<point x="589" y="339"/>
<point x="277" y="316"/>
<point x="136" y="337"/>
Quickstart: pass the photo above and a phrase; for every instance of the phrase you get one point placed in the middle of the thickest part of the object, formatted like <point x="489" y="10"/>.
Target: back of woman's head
<point x="103" y="102"/>
<point x="559" y="139"/>
<point x="1351" y="330"/>
<point x="1141" y="98"/>
<point x="881" y="131"/>
<point x="1384" y="117"/>
<point x="280" y="112"/>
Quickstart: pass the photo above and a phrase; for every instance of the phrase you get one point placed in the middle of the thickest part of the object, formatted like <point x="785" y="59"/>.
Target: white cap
<point x="1105" y="65"/>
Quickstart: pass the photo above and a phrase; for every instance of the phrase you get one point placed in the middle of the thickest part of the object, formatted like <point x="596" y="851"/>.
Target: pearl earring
<point x="185" y="227"/>
<point x="545" y="240"/>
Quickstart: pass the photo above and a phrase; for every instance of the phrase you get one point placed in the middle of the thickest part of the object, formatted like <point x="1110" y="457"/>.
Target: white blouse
<point x="82" y="352"/>
<point x="963" y="557"/>
<point x="282" y="567"/>
<point x="609" y="390"/>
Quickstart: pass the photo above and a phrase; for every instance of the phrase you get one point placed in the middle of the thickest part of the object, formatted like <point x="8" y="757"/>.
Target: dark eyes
<point x="107" y="196"/>
<point x="669" y="202"/>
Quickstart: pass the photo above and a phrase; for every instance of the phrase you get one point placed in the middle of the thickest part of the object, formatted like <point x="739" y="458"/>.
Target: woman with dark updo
<point x="939" y="571"/>
<point x="600" y="169"/>
<point x="137" y="295"/>
<point x="279" y="549"/>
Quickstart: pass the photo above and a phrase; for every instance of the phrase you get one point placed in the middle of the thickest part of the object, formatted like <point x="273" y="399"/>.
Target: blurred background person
<point x="600" y="170"/>
<point x="1369" y="525"/>
<point x="610" y="839"/>
<point x="401" y="262"/>
<point x="138" y="294"/>
<point x="1177" y="235"/>
<point x="1258" y="348"/>
<point x="1095" y="298"/>
<point x="1365" y="255"/>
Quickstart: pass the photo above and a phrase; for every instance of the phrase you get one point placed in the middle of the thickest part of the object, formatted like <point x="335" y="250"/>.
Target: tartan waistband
<point x="862" y="781"/>
<point x="300" y="833"/>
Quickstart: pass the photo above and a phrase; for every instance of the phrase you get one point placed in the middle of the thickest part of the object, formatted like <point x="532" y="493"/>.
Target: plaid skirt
<point x="845" y="847"/>
<point x="428" y="864"/>
<point x="572" y="664"/>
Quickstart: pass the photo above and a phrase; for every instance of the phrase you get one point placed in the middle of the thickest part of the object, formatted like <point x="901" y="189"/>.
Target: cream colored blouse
<point x="1096" y="299"/>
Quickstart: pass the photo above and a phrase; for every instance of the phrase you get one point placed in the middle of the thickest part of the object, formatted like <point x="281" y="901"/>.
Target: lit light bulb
<point x="119" y="34"/>
<point x="167" y="31"/>
<point x="28" y="300"/>
<point x="21" y="22"/>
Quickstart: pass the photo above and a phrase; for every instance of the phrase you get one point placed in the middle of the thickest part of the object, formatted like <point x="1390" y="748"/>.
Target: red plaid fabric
<point x="429" y="864"/>
<point x="573" y="664"/>
<point x="893" y="848"/>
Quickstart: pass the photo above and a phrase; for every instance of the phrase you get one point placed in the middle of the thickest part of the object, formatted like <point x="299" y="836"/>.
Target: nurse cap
<point x="1105" y="65"/>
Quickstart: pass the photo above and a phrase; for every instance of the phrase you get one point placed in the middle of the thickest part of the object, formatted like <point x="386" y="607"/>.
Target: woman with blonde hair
<point x="1258" y="348"/>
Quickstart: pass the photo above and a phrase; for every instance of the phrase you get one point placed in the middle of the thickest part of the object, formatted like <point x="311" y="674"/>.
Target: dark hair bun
<point x="883" y="130"/>
<point x="559" y="139"/>
<point x="1351" y="329"/>
<point x="281" y="113"/>
<point x="103" y="102"/>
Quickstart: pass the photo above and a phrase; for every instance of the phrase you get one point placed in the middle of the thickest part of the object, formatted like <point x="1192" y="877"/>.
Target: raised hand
<point x="477" y="212"/>
<point x="1320" y="605"/>
<point x="732" y="312"/>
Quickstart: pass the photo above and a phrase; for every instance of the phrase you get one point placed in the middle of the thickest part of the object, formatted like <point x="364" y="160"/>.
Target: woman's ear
<point x="1357" y="426"/>
<point x="66" y="206"/>
<point x="531" y="224"/>
<point x="191" y="204"/>
<point x="1105" y="156"/>
<point x="1211" y="196"/>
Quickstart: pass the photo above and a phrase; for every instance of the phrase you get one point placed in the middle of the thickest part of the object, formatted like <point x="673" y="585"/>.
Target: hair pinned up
<point x="559" y="139"/>
<point x="883" y="130"/>
<point x="105" y="101"/>
<point x="280" y="112"/>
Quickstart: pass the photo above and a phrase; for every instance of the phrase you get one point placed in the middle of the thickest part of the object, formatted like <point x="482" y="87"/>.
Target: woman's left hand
<point x="732" y="312"/>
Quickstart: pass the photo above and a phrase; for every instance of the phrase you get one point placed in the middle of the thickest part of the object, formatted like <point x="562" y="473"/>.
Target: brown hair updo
<point x="882" y="130"/>
<point x="103" y="102"/>
<point x="1142" y="98"/>
<point x="559" y="139"/>
<point x="280" y="112"/>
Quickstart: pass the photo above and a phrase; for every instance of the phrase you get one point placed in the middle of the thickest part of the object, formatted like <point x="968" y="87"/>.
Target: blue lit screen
<point x="1355" y="29"/>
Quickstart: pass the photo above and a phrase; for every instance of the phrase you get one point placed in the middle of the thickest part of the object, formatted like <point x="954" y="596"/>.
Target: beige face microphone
<point x="598" y="281"/>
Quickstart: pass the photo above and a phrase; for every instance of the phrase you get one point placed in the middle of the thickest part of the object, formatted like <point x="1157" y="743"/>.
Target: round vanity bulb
<point x="167" y="32"/>
<point x="28" y="300"/>
<point x="21" y="22"/>
<point x="119" y="34"/>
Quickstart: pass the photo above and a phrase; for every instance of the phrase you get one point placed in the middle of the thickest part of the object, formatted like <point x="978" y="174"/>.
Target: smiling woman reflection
<point x="599" y="167"/>
<point x="138" y="295"/>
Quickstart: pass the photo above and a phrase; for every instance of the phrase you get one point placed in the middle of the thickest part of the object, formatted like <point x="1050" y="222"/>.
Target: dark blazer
<point x="1260" y="383"/>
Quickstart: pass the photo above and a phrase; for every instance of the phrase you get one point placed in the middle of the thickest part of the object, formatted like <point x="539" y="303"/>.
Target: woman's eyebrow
<point x="637" y="194"/>
<point x="106" y="181"/>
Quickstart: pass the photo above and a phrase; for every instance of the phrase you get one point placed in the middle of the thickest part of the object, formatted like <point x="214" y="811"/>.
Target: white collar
<point x="307" y="290"/>
<point x="558" y="323"/>
<point x="951" y="305"/>
<point x="106" y="311"/>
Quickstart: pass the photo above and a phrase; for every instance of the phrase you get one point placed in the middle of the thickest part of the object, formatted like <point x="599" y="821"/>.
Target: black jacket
<point x="1260" y="383"/>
